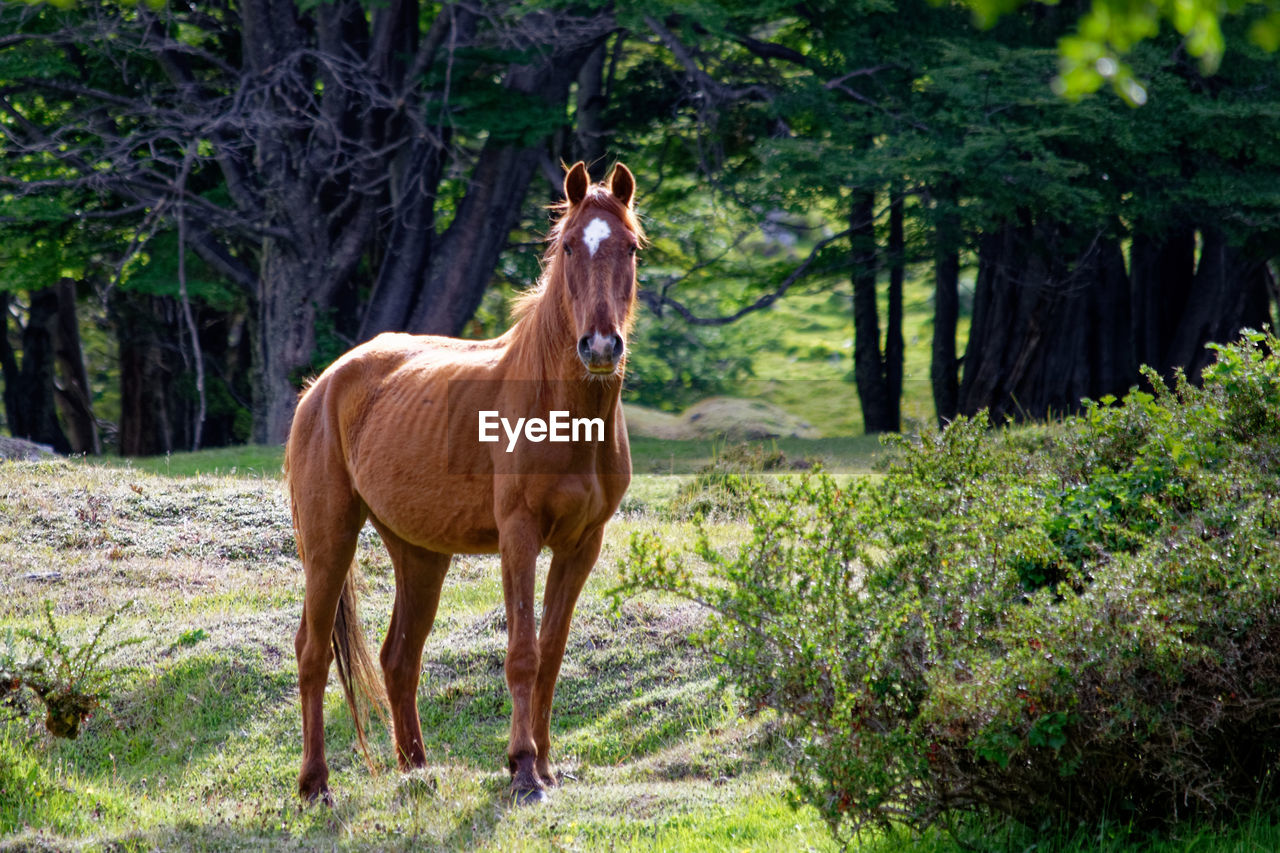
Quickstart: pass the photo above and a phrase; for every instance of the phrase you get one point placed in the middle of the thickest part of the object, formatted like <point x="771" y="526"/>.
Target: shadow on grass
<point x="480" y="822"/>
<point x="628" y="690"/>
<point x="179" y="715"/>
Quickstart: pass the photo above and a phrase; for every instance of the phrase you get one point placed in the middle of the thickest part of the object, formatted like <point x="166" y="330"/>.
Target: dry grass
<point x="199" y="744"/>
<point x="726" y="418"/>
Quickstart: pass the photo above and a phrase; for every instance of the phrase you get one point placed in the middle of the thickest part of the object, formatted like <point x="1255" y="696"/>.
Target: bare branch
<point x="216" y="255"/>
<point x="771" y="50"/>
<point x="706" y="84"/>
<point x="838" y="82"/>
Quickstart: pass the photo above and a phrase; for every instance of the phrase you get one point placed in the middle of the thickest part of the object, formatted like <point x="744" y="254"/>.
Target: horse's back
<point x="375" y="425"/>
<point x="392" y="363"/>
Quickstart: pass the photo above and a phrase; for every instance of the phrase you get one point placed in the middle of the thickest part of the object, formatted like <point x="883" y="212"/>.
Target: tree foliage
<point x="1109" y="31"/>
<point x="324" y="154"/>
<point x="347" y="169"/>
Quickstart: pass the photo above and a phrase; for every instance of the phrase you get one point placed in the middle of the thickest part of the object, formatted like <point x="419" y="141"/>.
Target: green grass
<point x="806" y="339"/>
<point x="248" y="460"/>
<point x="199" y="743"/>
<point x="850" y="454"/>
<point x="198" y="746"/>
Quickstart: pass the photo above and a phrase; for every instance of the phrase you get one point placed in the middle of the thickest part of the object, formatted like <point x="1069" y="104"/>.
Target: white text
<point x="558" y="428"/>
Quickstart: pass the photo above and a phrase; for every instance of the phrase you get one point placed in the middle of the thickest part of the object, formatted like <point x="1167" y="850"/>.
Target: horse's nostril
<point x="598" y="350"/>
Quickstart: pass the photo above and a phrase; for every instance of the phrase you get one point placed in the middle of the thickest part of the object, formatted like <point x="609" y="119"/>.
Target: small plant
<point x="70" y="680"/>
<point x="720" y="487"/>
<point x="187" y="639"/>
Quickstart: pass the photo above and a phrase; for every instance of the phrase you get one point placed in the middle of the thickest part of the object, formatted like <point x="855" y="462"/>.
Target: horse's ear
<point x="623" y="184"/>
<point x="576" y="183"/>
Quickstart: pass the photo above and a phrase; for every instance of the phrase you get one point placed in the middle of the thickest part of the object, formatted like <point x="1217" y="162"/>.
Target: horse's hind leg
<point x="565" y="579"/>
<point x="327" y="535"/>
<point x="419" y="576"/>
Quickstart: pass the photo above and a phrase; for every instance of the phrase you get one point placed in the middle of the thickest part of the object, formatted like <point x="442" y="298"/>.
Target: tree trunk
<point x="284" y="337"/>
<point x="894" y="347"/>
<point x="410" y="246"/>
<point x="411" y="235"/>
<point x="1046" y="332"/>
<point x="868" y="366"/>
<point x="339" y="140"/>
<point x="462" y="264"/>
<point x="1161" y="272"/>
<point x="1229" y="293"/>
<point x="943" y="370"/>
<point x="29" y="389"/>
<point x="72" y="392"/>
<point x="154" y="408"/>
<point x="222" y="338"/>
<point x="9" y="369"/>
<point x="589" y="140"/>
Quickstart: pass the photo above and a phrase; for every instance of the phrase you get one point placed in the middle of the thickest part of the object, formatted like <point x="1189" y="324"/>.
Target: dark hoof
<point x="528" y="796"/>
<point x="313" y="787"/>
<point x="317" y="798"/>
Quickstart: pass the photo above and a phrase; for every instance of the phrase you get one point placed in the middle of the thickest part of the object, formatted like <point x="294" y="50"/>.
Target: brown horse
<point x="394" y="433"/>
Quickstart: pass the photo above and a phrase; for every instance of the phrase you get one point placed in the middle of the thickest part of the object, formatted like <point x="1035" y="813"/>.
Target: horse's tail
<point x="356" y="668"/>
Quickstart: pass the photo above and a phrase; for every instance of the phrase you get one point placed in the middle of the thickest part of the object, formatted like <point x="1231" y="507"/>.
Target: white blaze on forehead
<point x="595" y="233"/>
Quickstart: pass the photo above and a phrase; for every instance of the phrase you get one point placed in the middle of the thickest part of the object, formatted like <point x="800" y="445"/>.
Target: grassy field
<point x="852" y="454"/>
<point x="802" y="354"/>
<point x="199" y="744"/>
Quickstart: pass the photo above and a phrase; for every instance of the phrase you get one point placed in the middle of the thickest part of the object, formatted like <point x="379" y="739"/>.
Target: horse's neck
<point x="594" y="398"/>
<point x="543" y="350"/>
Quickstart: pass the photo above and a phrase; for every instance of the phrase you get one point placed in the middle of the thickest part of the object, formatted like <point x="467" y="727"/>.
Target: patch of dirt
<point x="731" y="418"/>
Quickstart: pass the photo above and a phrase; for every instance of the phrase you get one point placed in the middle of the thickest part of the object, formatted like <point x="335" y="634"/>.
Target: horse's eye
<point x="632" y="250"/>
<point x="568" y="250"/>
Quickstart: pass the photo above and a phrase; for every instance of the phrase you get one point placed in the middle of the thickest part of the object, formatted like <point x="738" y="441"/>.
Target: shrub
<point x="720" y="488"/>
<point x="70" y="681"/>
<point x="1080" y="632"/>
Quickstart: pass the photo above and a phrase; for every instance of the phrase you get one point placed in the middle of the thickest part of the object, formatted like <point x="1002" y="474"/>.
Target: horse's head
<point x="596" y="250"/>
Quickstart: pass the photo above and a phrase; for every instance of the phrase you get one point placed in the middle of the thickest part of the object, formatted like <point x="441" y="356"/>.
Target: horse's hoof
<point x="318" y="797"/>
<point x="528" y="796"/>
<point x="545" y="775"/>
<point x="322" y="799"/>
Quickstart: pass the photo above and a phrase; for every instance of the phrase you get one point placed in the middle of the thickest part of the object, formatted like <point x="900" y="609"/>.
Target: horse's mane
<point x="540" y="318"/>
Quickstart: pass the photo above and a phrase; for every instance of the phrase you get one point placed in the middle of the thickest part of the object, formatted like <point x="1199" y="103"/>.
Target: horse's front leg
<point x="565" y="579"/>
<point x="519" y="546"/>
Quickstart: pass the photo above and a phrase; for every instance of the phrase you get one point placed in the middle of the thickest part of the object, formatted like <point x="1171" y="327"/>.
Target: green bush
<point x="1074" y="628"/>
<point x="70" y="681"/>
<point x="721" y="488"/>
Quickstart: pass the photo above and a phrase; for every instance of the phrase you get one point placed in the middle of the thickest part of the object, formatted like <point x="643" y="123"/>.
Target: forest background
<point x="204" y="204"/>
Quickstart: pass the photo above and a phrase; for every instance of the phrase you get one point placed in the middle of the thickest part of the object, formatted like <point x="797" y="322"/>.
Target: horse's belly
<point x="458" y="521"/>
<point x="448" y="513"/>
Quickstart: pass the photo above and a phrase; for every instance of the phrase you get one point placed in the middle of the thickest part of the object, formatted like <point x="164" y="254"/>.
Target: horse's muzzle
<point x="601" y="353"/>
